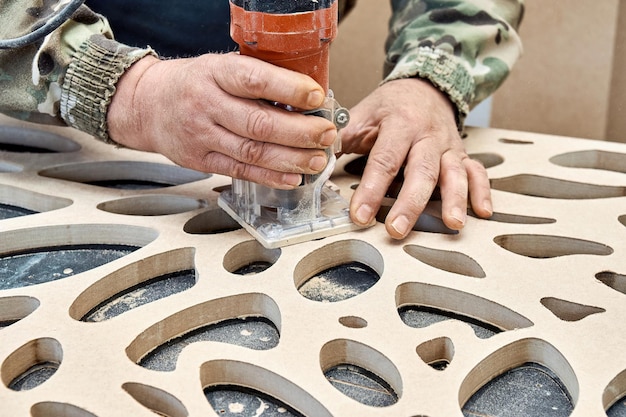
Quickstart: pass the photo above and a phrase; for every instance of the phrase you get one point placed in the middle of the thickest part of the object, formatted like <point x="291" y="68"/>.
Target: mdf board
<point x="89" y="231"/>
<point x="571" y="79"/>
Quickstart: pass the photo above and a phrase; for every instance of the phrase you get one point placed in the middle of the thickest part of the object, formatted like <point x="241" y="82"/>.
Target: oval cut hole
<point x="592" y="159"/>
<point x="455" y="262"/>
<point x="64" y="251"/>
<point x="53" y="409"/>
<point x="32" y="364"/>
<point x="361" y="373"/>
<point x="14" y="309"/>
<point x="25" y="140"/>
<point x="338" y="271"/>
<point x="155" y="399"/>
<point x="614" y="396"/>
<point x="546" y="246"/>
<point x="236" y="388"/>
<point x="17" y="202"/>
<point x="420" y="317"/>
<point x="538" y="186"/>
<point x="127" y="175"/>
<point x="249" y="320"/>
<point x="250" y="258"/>
<point x="488" y="160"/>
<point x="437" y="353"/>
<point x="516" y="218"/>
<point x="152" y="205"/>
<point x="233" y="401"/>
<point x="353" y="322"/>
<point x="211" y="222"/>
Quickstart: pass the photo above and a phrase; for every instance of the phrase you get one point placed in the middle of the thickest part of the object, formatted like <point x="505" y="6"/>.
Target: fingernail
<point x="459" y="215"/>
<point x="401" y="225"/>
<point x="315" y="99"/>
<point x="488" y="207"/>
<point x="317" y="163"/>
<point x="328" y="137"/>
<point x="292" y="179"/>
<point x="364" y="214"/>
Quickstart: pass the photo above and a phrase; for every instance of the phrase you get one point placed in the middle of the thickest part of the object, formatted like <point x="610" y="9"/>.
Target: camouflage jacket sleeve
<point x="68" y="77"/>
<point x="466" y="48"/>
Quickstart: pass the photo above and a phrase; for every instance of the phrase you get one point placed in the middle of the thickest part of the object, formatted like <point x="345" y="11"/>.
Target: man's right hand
<point x="213" y="113"/>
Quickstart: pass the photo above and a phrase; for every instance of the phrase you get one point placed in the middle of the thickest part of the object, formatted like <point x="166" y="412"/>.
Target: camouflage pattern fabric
<point x="464" y="47"/>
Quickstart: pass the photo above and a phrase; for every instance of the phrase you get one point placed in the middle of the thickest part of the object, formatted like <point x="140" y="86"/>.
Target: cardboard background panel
<point x="552" y="289"/>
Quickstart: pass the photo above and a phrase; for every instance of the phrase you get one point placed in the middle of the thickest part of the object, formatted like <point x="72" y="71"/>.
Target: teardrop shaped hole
<point x="338" y="271"/>
<point x="233" y="401"/>
<point x="14" y="309"/>
<point x="353" y="322"/>
<point x="256" y="333"/>
<point x="143" y="293"/>
<point x="250" y="258"/>
<point x="160" y="402"/>
<point x="152" y="205"/>
<point x="487" y="159"/>
<point x="510" y="141"/>
<point x="613" y="280"/>
<point x="546" y="187"/>
<point x="449" y="261"/>
<point x="32" y="364"/>
<point x="361" y="373"/>
<point x="211" y="222"/>
<point x="55" y="409"/>
<point x="437" y="353"/>
<point x="547" y="246"/>
<point x="242" y="377"/>
<point x="420" y="317"/>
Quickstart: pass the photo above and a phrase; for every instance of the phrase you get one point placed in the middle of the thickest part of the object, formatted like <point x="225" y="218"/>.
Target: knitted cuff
<point x="90" y="82"/>
<point x="444" y="71"/>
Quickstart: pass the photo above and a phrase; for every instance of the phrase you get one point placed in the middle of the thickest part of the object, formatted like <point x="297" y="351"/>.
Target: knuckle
<point x="259" y="124"/>
<point x="384" y="162"/>
<point x="251" y="152"/>
<point x="254" y="81"/>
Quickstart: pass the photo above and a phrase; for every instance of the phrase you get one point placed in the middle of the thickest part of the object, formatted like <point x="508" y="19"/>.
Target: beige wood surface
<point x="548" y="270"/>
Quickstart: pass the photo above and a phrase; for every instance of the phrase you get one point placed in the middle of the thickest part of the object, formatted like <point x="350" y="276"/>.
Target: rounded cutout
<point x="437" y="353"/>
<point x="30" y="200"/>
<point x="54" y="409"/>
<point x="249" y="258"/>
<point x="152" y="205"/>
<point x="592" y="159"/>
<point x="488" y="160"/>
<point x="14" y="309"/>
<point x="569" y="311"/>
<point x="449" y="261"/>
<point x="547" y="246"/>
<point x="26" y="140"/>
<point x="338" y="271"/>
<point x="539" y="186"/>
<point x="613" y="280"/>
<point x="31" y="364"/>
<point x="365" y="364"/>
<point x="155" y="399"/>
<point x="246" y="377"/>
<point x="125" y="174"/>
<point x="211" y="222"/>
<point x="353" y="322"/>
<point x="509" y="141"/>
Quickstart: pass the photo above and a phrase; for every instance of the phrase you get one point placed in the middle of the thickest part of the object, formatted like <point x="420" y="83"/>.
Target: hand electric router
<point x="294" y="34"/>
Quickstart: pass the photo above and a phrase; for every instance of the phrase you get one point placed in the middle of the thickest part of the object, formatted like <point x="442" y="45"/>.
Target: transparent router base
<point x="264" y="224"/>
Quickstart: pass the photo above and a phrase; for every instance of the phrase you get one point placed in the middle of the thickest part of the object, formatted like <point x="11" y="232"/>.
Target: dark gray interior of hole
<point x="253" y="268"/>
<point x="144" y="293"/>
<point x="340" y="282"/>
<point x="21" y="148"/>
<point x="420" y="317"/>
<point x="234" y="401"/>
<point x="256" y="333"/>
<point x="8" y="211"/>
<point x="528" y="390"/>
<point x="130" y="184"/>
<point x="618" y="409"/>
<point x="361" y="385"/>
<point x="41" y="265"/>
<point x="34" y="376"/>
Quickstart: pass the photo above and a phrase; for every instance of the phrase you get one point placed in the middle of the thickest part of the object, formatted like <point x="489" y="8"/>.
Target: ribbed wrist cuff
<point x="90" y="82"/>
